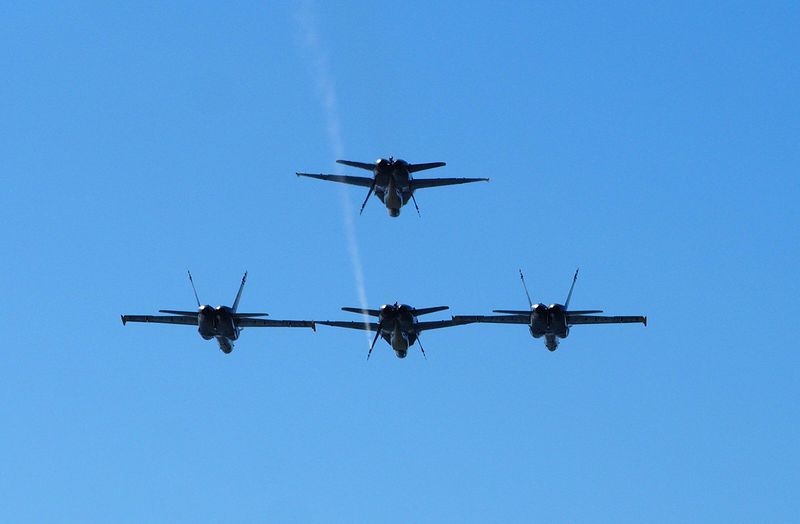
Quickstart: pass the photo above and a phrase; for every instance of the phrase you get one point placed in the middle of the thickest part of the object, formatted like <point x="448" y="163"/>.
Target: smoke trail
<point x="326" y="91"/>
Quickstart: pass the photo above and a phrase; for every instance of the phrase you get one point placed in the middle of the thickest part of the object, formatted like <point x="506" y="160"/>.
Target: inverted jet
<point x="551" y="322"/>
<point x="222" y="323"/>
<point x="397" y="324"/>
<point x="392" y="181"/>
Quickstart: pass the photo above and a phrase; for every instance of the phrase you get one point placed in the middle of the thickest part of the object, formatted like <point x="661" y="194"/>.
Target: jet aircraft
<point x="397" y="324"/>
<point x="222" y="323"/>
<point x="392" y="181"/>
<point x="551" y="322"/>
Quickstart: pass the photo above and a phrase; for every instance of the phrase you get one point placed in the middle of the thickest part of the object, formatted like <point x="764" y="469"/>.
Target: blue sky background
<point x="656" y="147"/>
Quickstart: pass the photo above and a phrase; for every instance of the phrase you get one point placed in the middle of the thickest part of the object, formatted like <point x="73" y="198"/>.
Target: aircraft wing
<point x="420" y="183"/>
<point x="345" y="179"/>
<point x="371" y="326"/>
<point x="590" y="319"/>
<point x="436" y="324"/>
<point x="494" y="319"/>
<point x="246" y="322"/>
<point x="161" y="319"/>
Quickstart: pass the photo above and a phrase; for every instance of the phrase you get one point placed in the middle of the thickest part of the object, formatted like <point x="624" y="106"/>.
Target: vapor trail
<point x="326" y="92"/>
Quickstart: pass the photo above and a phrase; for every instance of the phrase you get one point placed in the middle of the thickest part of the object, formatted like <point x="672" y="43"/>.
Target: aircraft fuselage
<point x="549" y="322"/>
<point x="393" y="184"/>
<point x="397" y="328"/>
<point x="218" y="323"/>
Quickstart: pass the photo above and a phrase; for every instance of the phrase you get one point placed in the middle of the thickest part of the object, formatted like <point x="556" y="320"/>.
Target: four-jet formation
<point x="551" y="322"/>
<point x="397" y="324"/>
<point x="222" y="323"/>
<point x="392" y="181"/>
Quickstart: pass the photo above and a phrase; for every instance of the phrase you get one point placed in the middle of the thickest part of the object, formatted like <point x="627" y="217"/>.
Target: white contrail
<point x="326" y="91"/>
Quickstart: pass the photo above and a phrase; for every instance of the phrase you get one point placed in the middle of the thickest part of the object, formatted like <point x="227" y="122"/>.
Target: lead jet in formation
<point x="551" y="322"/>
<point x="222" y="323"/>
<point x="392" y="181"/>
<point x="397" y="324"/>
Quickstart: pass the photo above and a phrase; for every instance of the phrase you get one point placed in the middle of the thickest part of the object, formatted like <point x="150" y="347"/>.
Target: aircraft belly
<point x="535" y="333"/>
<point x="399" y="343"/>
<point x="225" y="345"/>
<point x="205" y="328"/>
<point x="393" y="200"/>
<point x="538" y="328"/>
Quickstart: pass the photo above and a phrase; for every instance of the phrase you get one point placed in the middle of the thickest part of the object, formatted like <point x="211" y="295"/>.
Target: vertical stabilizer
<point x="569" y="295"/>
<point x="525" y="287"/>
<point x="197" y="299"/>
<point x="239" y="294"/>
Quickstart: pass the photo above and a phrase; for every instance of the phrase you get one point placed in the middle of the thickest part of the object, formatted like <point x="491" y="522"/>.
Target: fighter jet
<point x="397" y="324"/>
<point x="551" y="322"/>
<point x="392" y="182"/>
<point x="222" y="323"/>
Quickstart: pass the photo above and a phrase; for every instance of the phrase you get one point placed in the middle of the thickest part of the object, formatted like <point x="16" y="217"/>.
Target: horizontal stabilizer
<point x="249" y="315"/>
<point x="360" y="165"/>
<point x="174" y="312"/>
<point x="513" y="311"/>
<point x="370" y="312"/>
<point x="426" y="310"/>
<point x="413" y="168"/>
<point x="585" y="312"/>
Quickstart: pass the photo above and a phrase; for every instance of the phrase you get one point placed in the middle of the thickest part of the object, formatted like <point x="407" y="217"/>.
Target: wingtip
<point x="645" y="321"/>
<point x="124" y="321"/>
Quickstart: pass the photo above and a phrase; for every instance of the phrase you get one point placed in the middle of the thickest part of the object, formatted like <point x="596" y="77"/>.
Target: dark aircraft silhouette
<point x="392" y="182"/>
<point x="551" y="322"/>
<point x="397" y="324"/>
<point x="223" y="323"/>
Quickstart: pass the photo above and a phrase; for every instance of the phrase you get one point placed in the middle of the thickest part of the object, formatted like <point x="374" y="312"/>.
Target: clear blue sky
<point x="655" y="147"/>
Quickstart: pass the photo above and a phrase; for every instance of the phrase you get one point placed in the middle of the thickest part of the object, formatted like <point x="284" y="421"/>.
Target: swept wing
<point x="591" y="319"/>
<point x="345" y="179"/>
<point x="494" y="319"/>
<point x="421" y="183"/>
<point x="162" y="319"/>
<point x="370" y="326"/>
<point x="436" y="324"/>
<point x="247" y="322"/>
